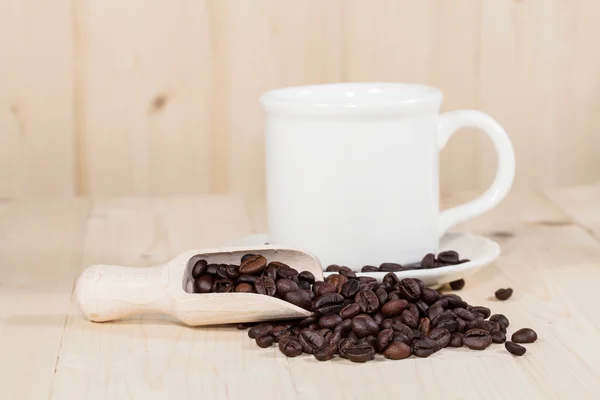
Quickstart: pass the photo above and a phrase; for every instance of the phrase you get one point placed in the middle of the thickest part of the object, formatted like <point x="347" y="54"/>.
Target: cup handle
<point x="449" y="124"/>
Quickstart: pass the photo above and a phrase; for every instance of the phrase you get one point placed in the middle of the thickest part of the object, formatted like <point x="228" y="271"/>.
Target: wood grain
<point x="106" y="98"/>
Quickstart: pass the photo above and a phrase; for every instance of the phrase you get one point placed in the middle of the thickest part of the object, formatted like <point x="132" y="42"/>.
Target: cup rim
<point x="352" y="95"/>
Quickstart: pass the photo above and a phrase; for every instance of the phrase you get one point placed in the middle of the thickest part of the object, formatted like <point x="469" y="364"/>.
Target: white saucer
<point x="480" y="250"/>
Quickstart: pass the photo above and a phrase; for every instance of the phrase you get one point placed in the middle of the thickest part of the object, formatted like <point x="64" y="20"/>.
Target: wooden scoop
<point x="108" y="292"/>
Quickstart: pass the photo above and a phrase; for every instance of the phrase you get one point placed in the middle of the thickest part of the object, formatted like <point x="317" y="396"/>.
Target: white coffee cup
<point x="352" y="170"/>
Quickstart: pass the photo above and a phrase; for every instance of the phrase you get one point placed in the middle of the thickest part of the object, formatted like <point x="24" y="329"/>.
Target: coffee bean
<point x="310" y="340"/>
<point x="199" y="268"/>
<point x="265" y="341"/>
<point x="332" y="268"/>
<point x="350" y="288"/>
<point x="344" y="327"/>
<point x="285" y="285"/>
<point x="358" y="352"/>
<point x="204" y="284"/>
<point x="299" y="298"/>
<point x="306" y="276"/>
<point x="430" y="296"/>
<point x="390" y="267"/>
<point x="330" y="321"/>
<point x="444" y="316"/>
<point x="461" y="325"/>
<point x="363" y="325"/>
<point x="423" y="347"/>
<point x="265" y="285"/>
<point x="243" y="288"/>
<point x="347" y="272"/>
<point x="211" y="269"/>
<point x="384" y="338"/>
<point x="454" y="301"/>
<point x="441" y="337"/>
<point x="448" y="257"/>
<point x="232" y="271"/>
<point x="457" y="285"/>
<point x="524" y="335"/>
<point x="260" y="330"/>
<point x="309" y="321"/>
<point x="253" y="265"/>
<point x="464" y="314"/>
<point x="422" y="307"/>
<point x="247" y="256"/>
<point x="501" y="320"/>
<point x="477" y="339"/>
<point x="287" y="272"/>
<point x="369" y="268"/>
<point x="271" y="272"/>
<point x="515" y="349"/>
<point x="247" y="279"/>
<point x="497" y="336"/>
<point x="323" y="288"/>
<point x="425" y="326"/>
<point x="394" y="308"/>
<point x="484" y="311"/>
<point x="335" y="337"/>
<point x="314" y="327"/>
<point x="382" y="295"/>
<point x="337" y="281"/>
<point x="329" y="303"/>
<point x="456" y="340"/>
<point x="398" y="326"/>
<point x="409" y="319"/>
<point x="503" y="294"/>
<point x="325" y="352"/>
<point x="391" y="278"/>
<point x="280" y="331"/>
<point x="290" y="346"/>
<point x="410" y="289"/>
<point x="367" y="300"/>
<point x="434" y="311"/>
<point x="429" y="261"/>
<point x="350" y="311"/>
<point x="397" y="351"/>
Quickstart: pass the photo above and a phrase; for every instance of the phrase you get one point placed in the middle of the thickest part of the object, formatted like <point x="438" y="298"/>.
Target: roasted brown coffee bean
<point x="371" y="340"/>
<point x="425" y="326"/>
<point x="464" y="314"/>
<point x="358" y="352"/>
<point x="390" y="267"/>
<point x="324" y="288"/>
<point x="335" y="337"/>
<point x="280" y="331"/>
<point x="384" y="338"/>
<point x="497" y="336"/>
<point x="367" y="300"/>
<point x="309" y="321"/>
<point x="450" y="324"/>
<point x="387" y="323"/>
<point x="296" y="330"/>
<point x="211" y="269"/>
<point x="278" y="265"/>
<point x="332" y="268"/>
<point x="290" y="346"/>
<point x="350" y="311"/>
<point x="314" y="327"/>
<point x="329" y="303"/>
<point x="310" y="340"/>
<point x="285" y="285"/>
<point x="457" y="285"/>
<point x="430" y="296"/>
<point x="409" y="289"/>
<point x="397" y="351"/>
<point x="524" y="335"/>
<point x="398" y="326"/>
<point x="290" y="273"/>
<point x="337" y="280"/>
<point x="271" y="272"/>
<point x="409" y="319"/>
<point x="446" y="315"/>
<point x="515" y="349"/>
<point x="501" y="320"/>
<point x="503" y="294"/>
<point x="391" y="278"/>
<point x="307" y="276"/>
<point x="477" y="339"/>
<point x="347" y="272"/>
<point x="363" y="325"/>
<point x="232" y="271"/>
<point x="199" y="268"/>
<point x="448" y="257"/>
<point x="325" y="352"/>
<point x="265" y="341"/>
<point x="253" y="265"/>
<point x="394" y="295"/>
<point x="456" y="340"/>
<point x="484" y="311"/>
<point x="204" y="284"/>
<point x="344" y="327"/>
<point x="247" y="256"/>
<point x="260" y="330"/>
<point x="422" y="307"/>
<point x="434" y="311"/>
<point x="243" y="288"/>
<point x="441" y="337"/>
<point x="247" y="279"/>
<point x="265" y="285"/>
<point x="423" y="347"/>
<point x="369" y="268"/>
<point x="394" y="308"/>
<point x="454" y="301"/>
<point x="350" y="288"/>
<point x="326" y="333"/>
<point x="299" y="298"/>
<point x="429" y="261"/>
<point x="330" y="321"/>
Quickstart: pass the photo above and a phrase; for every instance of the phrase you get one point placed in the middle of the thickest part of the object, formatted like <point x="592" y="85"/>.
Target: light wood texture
<point x="50" y="350"/>
<point x="116" y="98"/>
<point x="111" y="292"/>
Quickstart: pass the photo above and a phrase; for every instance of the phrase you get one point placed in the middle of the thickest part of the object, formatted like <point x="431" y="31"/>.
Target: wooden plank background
<point x="159" y="97"/>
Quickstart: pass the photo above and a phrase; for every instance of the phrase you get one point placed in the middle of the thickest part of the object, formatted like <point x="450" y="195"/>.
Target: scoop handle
<point x="110" y="292"/>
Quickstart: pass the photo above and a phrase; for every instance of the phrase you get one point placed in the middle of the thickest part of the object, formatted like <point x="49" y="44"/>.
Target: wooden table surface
<point x="550" y="256"/>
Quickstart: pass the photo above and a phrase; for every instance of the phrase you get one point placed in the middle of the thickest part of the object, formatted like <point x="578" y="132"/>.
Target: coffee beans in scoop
<point x="357" y="318"/>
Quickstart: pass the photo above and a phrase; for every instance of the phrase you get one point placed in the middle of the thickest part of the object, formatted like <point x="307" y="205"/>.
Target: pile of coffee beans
<point x="443" y="259"/>
<point x="358" y="317"/>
